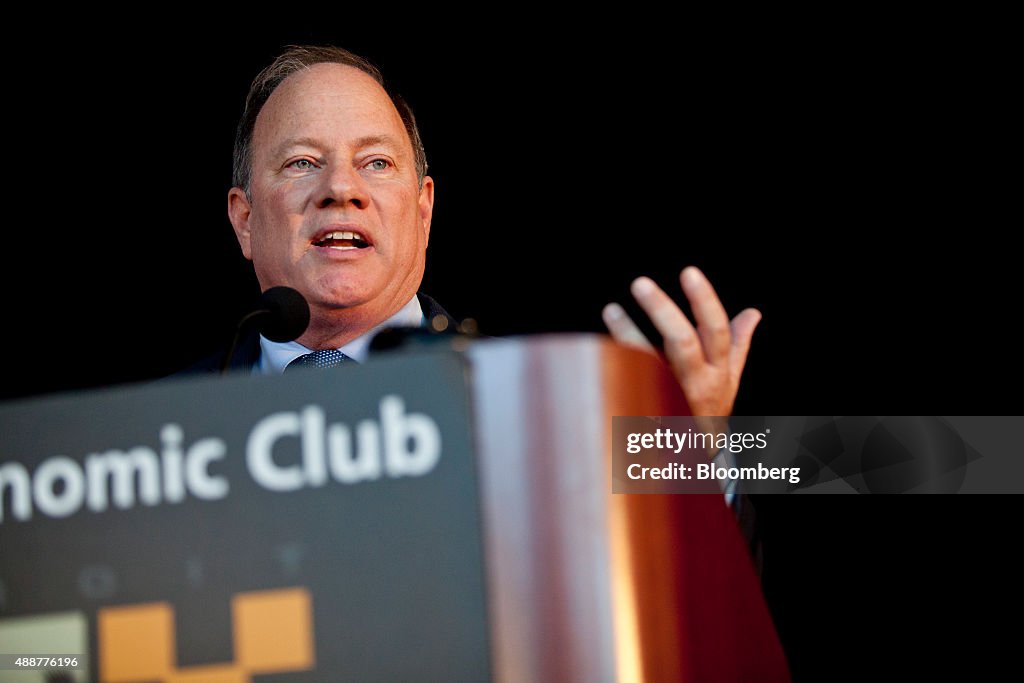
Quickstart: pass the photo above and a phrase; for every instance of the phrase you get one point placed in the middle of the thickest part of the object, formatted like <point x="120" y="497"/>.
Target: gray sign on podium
<point x="320" y="526"/>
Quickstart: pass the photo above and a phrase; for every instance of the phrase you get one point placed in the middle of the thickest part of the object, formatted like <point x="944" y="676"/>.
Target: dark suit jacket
<point x="247" y="352"/>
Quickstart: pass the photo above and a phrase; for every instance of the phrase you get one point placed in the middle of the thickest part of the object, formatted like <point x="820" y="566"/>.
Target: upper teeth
<point x="343" y="235"/>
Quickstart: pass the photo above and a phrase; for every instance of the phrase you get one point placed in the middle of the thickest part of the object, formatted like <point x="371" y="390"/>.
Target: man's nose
<point x="342" y="185"/>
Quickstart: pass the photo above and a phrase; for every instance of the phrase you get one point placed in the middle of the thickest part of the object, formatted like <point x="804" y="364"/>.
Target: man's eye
<point x="379" y="165"/>
<point x="302" y="165"/>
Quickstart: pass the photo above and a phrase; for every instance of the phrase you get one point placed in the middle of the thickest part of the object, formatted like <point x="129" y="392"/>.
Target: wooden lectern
<point x="585" y="585"/>
<point x="443" y="514"/>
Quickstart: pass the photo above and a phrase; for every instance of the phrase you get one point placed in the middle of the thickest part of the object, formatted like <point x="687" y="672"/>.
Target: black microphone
<point x="281" y="315"/>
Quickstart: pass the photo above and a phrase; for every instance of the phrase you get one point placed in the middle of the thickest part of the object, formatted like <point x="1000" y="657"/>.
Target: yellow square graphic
<point x="136" y="643"/>
<point x="273" y="630"/>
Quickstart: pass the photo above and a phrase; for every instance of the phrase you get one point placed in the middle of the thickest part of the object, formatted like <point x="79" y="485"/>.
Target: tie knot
<point x="325" y="358"/>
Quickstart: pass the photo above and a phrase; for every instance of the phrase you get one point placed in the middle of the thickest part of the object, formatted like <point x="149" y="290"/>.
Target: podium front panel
<point x="320" y="526"/>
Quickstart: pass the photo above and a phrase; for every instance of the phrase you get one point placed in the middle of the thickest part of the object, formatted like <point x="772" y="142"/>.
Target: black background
<point x="848" y="176"/>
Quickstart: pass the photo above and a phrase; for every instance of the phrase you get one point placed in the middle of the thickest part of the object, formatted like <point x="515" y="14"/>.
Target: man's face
<point x="336" y="210"/>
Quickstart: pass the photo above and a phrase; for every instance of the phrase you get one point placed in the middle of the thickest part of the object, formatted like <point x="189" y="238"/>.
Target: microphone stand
<point x="238" y="335"/>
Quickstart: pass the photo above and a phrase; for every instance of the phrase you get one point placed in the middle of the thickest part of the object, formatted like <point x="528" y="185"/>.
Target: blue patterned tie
<point x="326" y="358"/>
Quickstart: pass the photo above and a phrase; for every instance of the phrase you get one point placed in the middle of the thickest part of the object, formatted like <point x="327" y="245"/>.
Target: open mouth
<point x="342" y="240"/>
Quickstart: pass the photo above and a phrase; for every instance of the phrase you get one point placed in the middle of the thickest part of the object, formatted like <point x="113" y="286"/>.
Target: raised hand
<point x="707" y="360"/>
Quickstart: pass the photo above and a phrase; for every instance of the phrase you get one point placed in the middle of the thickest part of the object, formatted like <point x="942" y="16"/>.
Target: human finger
<point x="743" y="326"/>
<point x="708" y="311"/>
<point x="682" y="345"/>
<point x="623" y="329"/>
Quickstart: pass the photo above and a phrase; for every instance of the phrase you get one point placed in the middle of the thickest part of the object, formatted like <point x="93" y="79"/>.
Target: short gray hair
<point x="294" y="59"/>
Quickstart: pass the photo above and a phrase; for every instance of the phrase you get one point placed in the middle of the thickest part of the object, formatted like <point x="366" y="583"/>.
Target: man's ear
<point x="239" y="211"/>
<point x="426" y="203"/>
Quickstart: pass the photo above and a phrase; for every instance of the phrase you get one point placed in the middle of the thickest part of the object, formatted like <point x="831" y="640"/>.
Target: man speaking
<point x="331" y="198"/>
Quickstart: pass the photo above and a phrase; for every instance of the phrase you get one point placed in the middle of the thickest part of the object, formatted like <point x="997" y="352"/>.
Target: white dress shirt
<point x="275" y="356"/>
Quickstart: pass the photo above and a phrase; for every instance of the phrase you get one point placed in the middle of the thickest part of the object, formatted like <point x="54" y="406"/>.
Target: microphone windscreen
<point x="287" y="314"/>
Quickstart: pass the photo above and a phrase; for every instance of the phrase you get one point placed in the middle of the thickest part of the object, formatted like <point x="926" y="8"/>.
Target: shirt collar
<point x="275" y="356"/>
